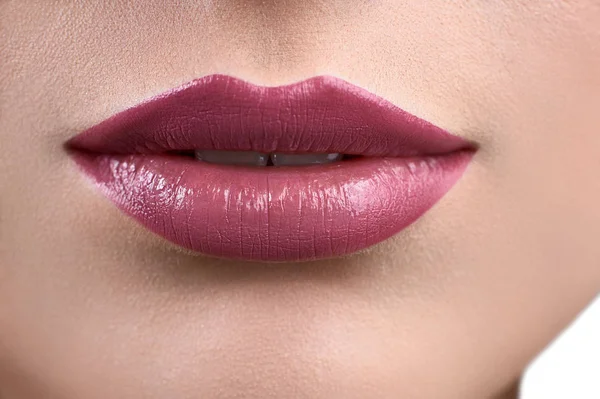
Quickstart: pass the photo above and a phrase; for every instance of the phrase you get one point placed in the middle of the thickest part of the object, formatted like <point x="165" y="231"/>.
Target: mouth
<point x="315" y="169"/>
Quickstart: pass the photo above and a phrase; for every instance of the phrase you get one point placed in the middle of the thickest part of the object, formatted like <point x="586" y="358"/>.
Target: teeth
<point x="280" y="159"/>
<point x="233" y="157"/>
<point x="259" y="159"/>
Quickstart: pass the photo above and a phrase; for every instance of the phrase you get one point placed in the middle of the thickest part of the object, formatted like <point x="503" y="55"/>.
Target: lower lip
<point x="274" y="214"/>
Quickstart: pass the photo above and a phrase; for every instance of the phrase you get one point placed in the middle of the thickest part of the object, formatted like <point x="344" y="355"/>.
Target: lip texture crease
<point x="288" y="213"/>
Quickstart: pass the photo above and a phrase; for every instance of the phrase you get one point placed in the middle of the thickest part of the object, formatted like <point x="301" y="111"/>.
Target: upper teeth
<point x="261" y="159"/>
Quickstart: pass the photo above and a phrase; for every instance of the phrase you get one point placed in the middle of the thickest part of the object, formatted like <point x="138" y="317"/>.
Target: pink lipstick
<point x="314" y="169"/>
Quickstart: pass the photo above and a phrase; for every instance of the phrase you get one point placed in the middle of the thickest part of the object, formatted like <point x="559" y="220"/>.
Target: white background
<point x="570" y="367"/>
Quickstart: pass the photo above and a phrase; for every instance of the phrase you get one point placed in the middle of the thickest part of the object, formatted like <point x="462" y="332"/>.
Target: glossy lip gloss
<point x="289" y="213"/>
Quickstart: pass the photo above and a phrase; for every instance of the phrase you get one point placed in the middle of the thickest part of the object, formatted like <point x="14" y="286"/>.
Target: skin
<point x="456" y="306"/>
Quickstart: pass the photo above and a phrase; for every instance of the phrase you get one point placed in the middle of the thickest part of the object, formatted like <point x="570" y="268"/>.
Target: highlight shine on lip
<point x="314" y="169"/>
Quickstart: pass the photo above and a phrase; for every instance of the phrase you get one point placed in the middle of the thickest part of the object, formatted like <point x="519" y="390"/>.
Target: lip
<point x="275" y="214"/>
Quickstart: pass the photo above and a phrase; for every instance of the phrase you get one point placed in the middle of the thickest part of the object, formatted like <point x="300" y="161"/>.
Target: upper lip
<point x="319" y="115"/>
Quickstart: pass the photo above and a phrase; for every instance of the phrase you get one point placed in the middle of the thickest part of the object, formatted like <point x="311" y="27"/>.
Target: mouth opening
<point x="259" y="159"/>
